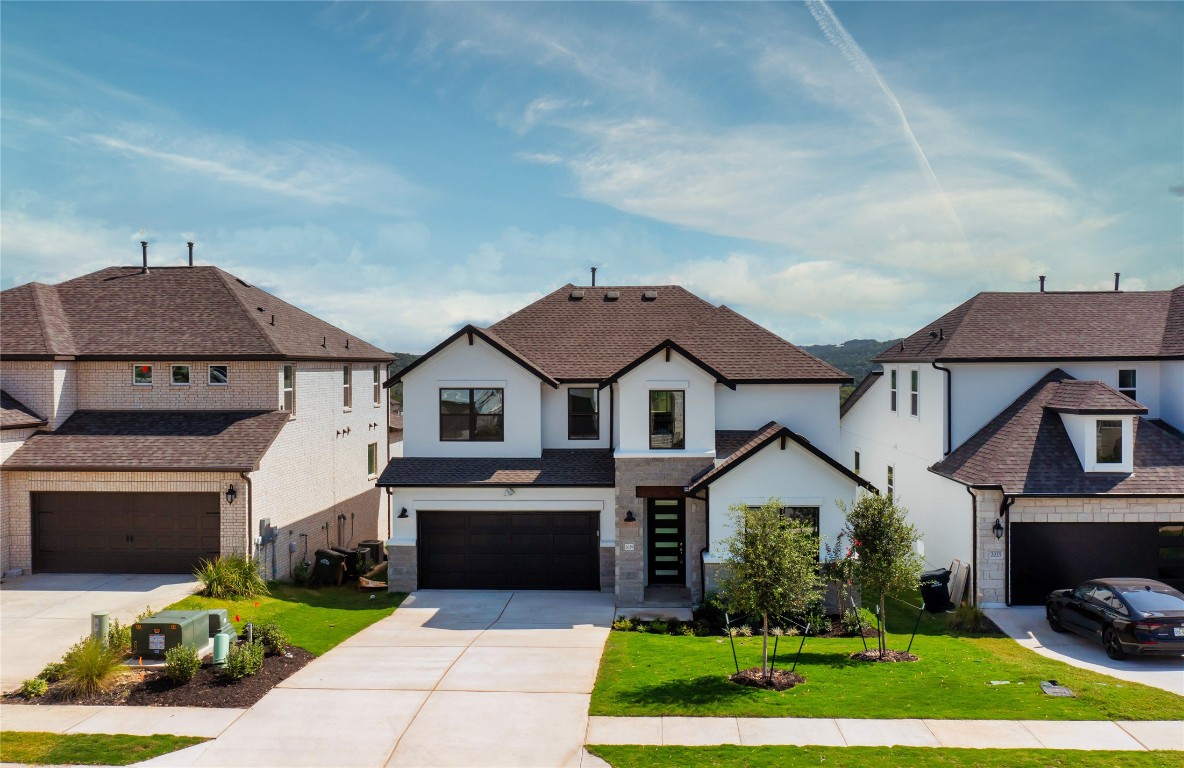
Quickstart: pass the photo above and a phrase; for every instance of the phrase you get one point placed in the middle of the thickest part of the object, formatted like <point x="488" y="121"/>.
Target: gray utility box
<point x="220" y="623"/>
<point x="168" y="629"/>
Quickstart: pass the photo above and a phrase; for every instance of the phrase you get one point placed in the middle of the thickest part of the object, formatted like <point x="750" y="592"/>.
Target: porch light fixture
<point x="629" y="518"/>
<point x="231" y="494"/>
<point x="403" y="513"/>
<point x="997" y="528"/>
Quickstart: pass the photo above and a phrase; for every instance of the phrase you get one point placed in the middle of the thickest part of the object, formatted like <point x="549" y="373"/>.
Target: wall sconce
<point x="231" y="494"/>
<point x="629" y="518"/>
<point x="997" y="528"/>
<point x="403" y="513"/>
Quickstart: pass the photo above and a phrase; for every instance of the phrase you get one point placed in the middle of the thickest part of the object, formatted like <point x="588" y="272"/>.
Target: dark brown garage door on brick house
<point x="124" y="532"/>
<point x="1048" y="556"/>
<point x="509" y="550"/>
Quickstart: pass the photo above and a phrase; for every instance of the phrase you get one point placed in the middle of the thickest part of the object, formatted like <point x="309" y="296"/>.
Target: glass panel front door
<point x="666" y="533"/>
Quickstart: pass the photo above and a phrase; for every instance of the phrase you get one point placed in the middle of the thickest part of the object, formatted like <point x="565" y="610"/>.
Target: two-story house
<point x="597" y="438"/>
<point x="155" y="417"/>
<point x="1035" y="436"/>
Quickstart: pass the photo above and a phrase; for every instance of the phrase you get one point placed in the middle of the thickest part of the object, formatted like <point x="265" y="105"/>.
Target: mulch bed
<point x="209" y="688"/>
<point x="755" y="678"/>
<point x="889" y="656"/>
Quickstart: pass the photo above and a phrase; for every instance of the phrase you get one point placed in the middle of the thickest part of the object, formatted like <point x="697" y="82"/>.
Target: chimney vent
<point x="593" y="277"/>
<point x="1042" y="283"/>
<point x="576" y="295"/>
<point x="649" y="296"/>
<point x="144" y="245"/>
<point x="1116" y="276"/>
<point x="191" y="253"/>
<point x="612" y="295"/>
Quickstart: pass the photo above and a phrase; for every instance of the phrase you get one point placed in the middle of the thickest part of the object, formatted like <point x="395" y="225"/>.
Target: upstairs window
<point x="1126" y="382"/>
<point x="583" y="419"/>
<point x="347" y="398"/>
<point x="372" y="460"/>
<point x="890" y="486"/>
<point x="142" y="375"/>
<point x="180" y="375"/>
<point x="472" y="415"/>
<point x="377" y="387"/>
<point x="219" y="376"/>
<point x="1109" y="441"/>
<point x="914" y="392"/>
<point x="290" y="388"/>
<point x="857" y="462"/>
<point x="892" y="390"/>
<point x="667" y="419"/>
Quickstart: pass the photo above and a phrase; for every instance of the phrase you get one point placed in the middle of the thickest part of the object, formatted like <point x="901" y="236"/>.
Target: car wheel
<point x="1053" y="614"/>
<point x="1113" y="646"/>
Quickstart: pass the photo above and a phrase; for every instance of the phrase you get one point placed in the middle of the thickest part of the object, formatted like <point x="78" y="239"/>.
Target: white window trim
<point x="284" y="390"/>
<point x="377" y="386"/>
<point x="347" y="387"/>
<point x="893" y="391"/>
<point x="151" y="375"/>
<point x="371" y="475"/>
<point x="890" y="482"/>
<point x="917" y="413"/>
<point x="190" y="376"/>
<point x="209" y="376"/>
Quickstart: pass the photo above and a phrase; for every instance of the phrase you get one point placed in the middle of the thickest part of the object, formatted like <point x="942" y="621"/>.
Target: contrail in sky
<point x="838" y="35"/>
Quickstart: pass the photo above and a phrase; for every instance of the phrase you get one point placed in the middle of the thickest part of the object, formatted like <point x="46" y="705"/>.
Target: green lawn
<point x="314" y="619"/>
<point x="86" y="748"/>
<point x="642" y="674"/>
<point x="872" y="757"/>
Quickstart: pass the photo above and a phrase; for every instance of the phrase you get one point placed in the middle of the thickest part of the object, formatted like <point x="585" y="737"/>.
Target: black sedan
<point x="1137" y="616"/>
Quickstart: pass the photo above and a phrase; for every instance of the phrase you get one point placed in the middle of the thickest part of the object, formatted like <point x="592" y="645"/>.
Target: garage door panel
<point x="508" y="550"/>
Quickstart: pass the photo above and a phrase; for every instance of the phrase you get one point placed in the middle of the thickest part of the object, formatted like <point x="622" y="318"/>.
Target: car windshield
<point x="1151" y="600"/>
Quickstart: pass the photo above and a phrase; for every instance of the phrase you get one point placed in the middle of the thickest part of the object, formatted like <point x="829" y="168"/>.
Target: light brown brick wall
<point x="107" y="386"/>
<point x="47" y="387"/>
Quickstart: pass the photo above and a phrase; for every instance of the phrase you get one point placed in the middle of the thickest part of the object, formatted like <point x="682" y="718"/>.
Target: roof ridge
<point x="225" y="277"/>
<point x="779" y="337"/>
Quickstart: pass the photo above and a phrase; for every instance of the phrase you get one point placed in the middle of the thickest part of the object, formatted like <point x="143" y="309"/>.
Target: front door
<point x="667" y="541"/>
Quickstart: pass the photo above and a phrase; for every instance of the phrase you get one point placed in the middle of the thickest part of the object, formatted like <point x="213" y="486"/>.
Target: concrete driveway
<point x="42" y="615"/>
<point x="452" y="678"/>
<point x="1027" y="625"/>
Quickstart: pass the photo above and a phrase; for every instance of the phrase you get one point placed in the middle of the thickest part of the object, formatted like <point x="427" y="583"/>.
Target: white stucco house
<point x="1035" y="436"/>
<point x="596" y="439"/>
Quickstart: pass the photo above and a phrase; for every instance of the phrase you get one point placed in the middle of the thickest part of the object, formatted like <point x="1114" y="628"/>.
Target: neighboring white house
<point x="154" y="417"/>
<point x="596" y="440"/>
<point x="1055" y="414"/>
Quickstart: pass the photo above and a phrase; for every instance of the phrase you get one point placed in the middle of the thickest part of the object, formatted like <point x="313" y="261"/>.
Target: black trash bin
<point x="375" y="547"/>
<point x="355" y="561"/>
<point x="328" y="567"/>
<point x="935" y="590"/>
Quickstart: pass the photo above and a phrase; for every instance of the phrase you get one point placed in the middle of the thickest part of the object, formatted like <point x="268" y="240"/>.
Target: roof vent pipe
<point x="1042" y="283"/>
<point x="593" y="277"/>
<point x="191" y="253"/>
<point x="144" y="245"/>
<point x="1116" y="276"/>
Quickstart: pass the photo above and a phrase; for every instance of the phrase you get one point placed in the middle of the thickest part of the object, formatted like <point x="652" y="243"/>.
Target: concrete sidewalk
<point x="138" y="721"/>
<point x="973" y="734"/>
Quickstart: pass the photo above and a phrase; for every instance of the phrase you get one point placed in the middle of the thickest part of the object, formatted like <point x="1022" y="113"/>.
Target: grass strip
<point x="36" y="748"/>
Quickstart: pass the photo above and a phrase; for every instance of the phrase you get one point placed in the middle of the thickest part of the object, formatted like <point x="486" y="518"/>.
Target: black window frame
<point x="572" y="417"/>
<point x="681" y="430"/>
<point x="1128" y="389"/>
<point x="471" y="428"/>
<point x="1099" y="425"/>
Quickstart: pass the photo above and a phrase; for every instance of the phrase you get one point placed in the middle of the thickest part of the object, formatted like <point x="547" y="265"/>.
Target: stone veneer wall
<point x="1095" y="509"/>
<point x="402" y="568"/>
<point x="630" y="565"/>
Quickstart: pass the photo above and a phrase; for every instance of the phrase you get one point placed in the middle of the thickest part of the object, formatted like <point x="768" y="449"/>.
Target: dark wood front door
<point x="667" y="536"/>
<point x="124" y="532"/>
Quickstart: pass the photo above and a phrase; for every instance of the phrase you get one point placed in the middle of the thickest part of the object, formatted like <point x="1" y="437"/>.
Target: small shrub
<point x="90" y="666"/>
<point x="181" y="663"/>
<point x="54" y="671"/>
<point x="854" y="621"/>
<point x="702" y="627"/>
<point x="711" y="611"/>
<point x="273" y="638"/>
<point x="119" y="636"/>
<point x="33" y="688"/>
<point x="640" y="626"/>
<point x="658" y="627"/>
<point x="792" y="632"/>
<point x="776" y="632"/>
<point x="231" y="577"/>
<point x="687" y="630"/>
<point x="969" y="618"/>
<point x="623" y="624"/>
<point x="302" y="573"/>
<point x="146" y="614"/>
<point x="243" y="660"/>
<point x="744" y="630"/>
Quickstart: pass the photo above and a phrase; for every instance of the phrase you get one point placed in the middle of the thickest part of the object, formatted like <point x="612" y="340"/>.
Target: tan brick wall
<point x="47" y="387"/>
<point x="991" y="573"/>
<point x="107" y="386"/>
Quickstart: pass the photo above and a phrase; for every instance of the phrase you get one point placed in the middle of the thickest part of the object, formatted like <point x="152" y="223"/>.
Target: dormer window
<point x="1126" y="382"/>
<point x="1109" y="441"/>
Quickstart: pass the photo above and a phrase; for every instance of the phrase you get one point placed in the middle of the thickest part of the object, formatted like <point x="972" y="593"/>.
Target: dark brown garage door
<point x="1048" y="556"/>
<point x="509" y="550"/>
<point x="124" y="532"/>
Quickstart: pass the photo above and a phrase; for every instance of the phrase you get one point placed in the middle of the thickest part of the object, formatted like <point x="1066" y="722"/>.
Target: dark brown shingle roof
<point x="1026" y="450"/>
<point x="593" y="338"/>
<point x="16" y="415"/>
<point x="1051" y="326"/>
<point x="169" y="312"/>
<point x="1091" y="397"/>
<point x="153" y="440"/>
<point x="583" y="468"/>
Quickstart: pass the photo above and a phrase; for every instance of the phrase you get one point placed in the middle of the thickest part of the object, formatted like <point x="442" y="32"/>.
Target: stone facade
<point x="608" y="568"/>
<point x="402" y="568"/>
<point x="991" y="575"/>
<point x="630" y="560"/>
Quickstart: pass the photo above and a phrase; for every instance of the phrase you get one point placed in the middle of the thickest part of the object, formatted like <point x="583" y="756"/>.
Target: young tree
<point x="772" y="567"/>
<point x="886" y="545"/>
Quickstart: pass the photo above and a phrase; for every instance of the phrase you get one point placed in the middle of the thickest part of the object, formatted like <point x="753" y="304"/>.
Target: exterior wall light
<point x="231" y="494"/>
<point x="629" y="518"/>
<point x="997" y="528"/>
<point x="403" y="513"/>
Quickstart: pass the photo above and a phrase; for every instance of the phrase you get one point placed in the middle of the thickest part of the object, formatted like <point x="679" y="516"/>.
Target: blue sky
<point x="832" y="171"/>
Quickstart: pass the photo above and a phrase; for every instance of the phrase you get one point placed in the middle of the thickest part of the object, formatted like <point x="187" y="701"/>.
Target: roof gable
<point x="490" y="338"/>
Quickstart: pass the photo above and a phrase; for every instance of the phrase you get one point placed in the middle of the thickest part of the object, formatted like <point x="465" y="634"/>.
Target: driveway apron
<point x="452" y="678"/>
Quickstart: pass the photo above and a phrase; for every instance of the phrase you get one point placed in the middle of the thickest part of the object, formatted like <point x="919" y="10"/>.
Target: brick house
<point x="597" y="438"/>
<point x="154" y="417"/>
<point x="1036" y="436"/>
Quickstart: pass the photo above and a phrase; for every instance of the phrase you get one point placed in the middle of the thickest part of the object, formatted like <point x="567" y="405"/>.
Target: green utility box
<point x="168" y="629"/>
<point x="220" y="623"/>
